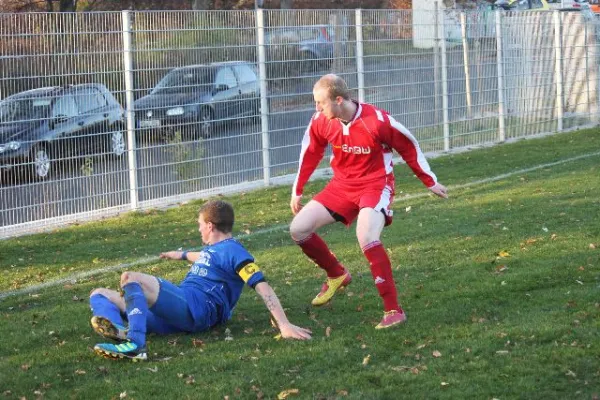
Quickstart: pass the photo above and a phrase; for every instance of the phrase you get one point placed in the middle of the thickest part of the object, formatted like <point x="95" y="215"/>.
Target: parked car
<point x="43" y="126"/>
<point x="312" y="45"/>
<point x="195" y="98"/>
<point x="574" y="5"/>
<point x="522" y="5"/>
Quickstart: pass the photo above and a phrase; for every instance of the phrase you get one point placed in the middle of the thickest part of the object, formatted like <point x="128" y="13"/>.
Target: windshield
<point x="24" y="109"/>
<point x="185" y="80"/>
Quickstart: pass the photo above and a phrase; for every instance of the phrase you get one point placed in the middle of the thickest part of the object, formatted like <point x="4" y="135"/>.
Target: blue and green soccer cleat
<point x="104" y="327"/>
<point x="124" y="350"/>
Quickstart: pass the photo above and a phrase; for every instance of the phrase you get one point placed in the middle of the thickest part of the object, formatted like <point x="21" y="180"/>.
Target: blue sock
<point x="103" y="307"/>
<point x="137" y="310"/>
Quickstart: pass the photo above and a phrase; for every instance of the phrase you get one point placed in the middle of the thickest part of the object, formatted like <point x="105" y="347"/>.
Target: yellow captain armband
<point x="247" y="271"/>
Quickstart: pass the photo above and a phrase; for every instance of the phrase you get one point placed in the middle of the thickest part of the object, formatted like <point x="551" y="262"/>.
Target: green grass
<point x="502" y="279"/>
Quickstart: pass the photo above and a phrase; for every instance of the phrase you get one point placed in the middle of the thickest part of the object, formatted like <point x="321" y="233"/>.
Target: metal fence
<point x="106" y="112"/>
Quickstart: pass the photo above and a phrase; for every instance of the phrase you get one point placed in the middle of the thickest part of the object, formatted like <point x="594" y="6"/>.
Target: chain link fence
<point x="102" y="113"/>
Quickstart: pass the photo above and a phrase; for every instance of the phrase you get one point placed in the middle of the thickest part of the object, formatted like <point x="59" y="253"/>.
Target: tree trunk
<point x="67" y="5"/>
<point x="287" y="4"/>
<point x="201" y="4"/>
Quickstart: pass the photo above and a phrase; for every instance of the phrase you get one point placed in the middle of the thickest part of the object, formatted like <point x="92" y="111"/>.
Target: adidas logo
<point x="379" y="280"/>
<point x="135" y="311"/>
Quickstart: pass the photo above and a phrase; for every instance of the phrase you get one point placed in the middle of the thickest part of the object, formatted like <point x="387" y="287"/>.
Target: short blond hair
<point x="334" y="85"/>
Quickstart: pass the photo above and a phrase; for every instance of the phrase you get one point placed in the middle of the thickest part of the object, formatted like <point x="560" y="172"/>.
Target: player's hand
<point x="295" y="204"/>
<point x="439" y="190"/>
<point x="171" y="255"/>
<point x="290" y="331"/>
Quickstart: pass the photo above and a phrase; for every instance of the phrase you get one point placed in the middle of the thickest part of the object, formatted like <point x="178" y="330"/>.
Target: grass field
<point x="501" y="286"/>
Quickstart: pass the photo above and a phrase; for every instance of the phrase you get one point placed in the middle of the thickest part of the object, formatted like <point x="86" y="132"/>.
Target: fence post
<point x="442" y="33"/>
<point x="500" y="66"/>
<point x="465" y="42"/>
<point x="558" y="70"/>
<point x="587" y="66"/>
<point x="129" y="111"/>
<point x="436" y="64"/>
<point x="264" y="100"/>
<point x="360" y="67"/>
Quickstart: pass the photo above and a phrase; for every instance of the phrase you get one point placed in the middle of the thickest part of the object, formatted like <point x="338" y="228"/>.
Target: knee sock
<point x="316" y="249"/>
<point x="103" y="307"/>
<point x="137" y="309"/>
<point x="381" y="269"/>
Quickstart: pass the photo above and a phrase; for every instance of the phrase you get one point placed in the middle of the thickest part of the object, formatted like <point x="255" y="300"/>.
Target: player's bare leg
<point x="302" y="229"/>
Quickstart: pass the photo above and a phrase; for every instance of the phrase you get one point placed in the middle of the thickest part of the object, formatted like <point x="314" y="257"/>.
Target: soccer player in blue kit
<point x="206" y="297"/>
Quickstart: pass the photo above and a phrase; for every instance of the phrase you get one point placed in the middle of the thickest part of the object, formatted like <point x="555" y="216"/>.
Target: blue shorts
<point x="171" y="313"/>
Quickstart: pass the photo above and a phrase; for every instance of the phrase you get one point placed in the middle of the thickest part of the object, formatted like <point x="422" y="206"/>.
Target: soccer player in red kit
<point x="363" y="138"/>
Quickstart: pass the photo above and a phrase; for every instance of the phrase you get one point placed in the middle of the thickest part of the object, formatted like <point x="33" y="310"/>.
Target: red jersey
<point x="362" y="149"/>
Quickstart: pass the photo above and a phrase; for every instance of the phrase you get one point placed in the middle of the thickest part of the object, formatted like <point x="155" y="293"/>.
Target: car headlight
<point x="10" y="146"/>
<point x="175" y="111"/>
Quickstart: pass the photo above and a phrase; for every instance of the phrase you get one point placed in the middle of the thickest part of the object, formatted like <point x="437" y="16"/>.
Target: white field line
<point x="86" y="274"/>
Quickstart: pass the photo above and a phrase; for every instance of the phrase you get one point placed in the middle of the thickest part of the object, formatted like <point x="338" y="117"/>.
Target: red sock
<point x="381" y="269"/>
<point x="316" y="249"/>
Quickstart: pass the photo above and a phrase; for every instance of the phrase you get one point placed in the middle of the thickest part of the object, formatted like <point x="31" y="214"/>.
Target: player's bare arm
<point x="287" y="329"/>
<point x="180" y="255"/>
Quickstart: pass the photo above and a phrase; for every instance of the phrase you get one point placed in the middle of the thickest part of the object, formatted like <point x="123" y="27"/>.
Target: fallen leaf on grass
<point x="25" y="367"/>
<point x="80" y="372"/>
<point x="503" y="254"/>
<point x="155" y="369"/>
<point x="328" y="331"/>
<point x="444" y="384"/>
<point x="197" y="343"/>
<point x="366" y="360"/>
<point x="436" y="354"/>
<point x="502" y="352"/>
<point x="501" y="268"/>
<point x="570" y="373"/>
<point x="592" y="246"/>
<point x="342" y="392"/>
<point x="122" y="395"/>
<point x="286" y="393"/>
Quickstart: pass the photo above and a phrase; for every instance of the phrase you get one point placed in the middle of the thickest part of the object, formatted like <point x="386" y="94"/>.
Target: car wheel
<point x="205" y="124"/>
<point x="117" y="142"/>
<point x="41" y="162"/>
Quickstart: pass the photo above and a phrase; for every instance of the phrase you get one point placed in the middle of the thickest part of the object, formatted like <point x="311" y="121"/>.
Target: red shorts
<point x="347" y="201"/>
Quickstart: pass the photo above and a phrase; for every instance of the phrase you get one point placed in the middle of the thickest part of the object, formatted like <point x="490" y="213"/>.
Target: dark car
<point x="43" y="126"/>
<point x="194" y="98"/>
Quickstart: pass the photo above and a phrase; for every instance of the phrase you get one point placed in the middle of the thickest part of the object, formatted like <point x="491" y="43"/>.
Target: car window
<point x="87" y="100"/>
<point x="185" y="80"/>
<point x="65" y="106"/>
<point x="24" y="109"/>
<point x="226" y="77"/>
<point x="100" y="99"/>
<point x="536" y="4"/>
<point x="245" y="74"/>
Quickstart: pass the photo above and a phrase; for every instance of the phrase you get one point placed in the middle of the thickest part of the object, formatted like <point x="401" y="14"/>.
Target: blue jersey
<point x="219" y="274"/>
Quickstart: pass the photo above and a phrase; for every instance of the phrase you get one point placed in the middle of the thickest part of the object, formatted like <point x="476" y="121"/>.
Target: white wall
<point x="424" y="22"/>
